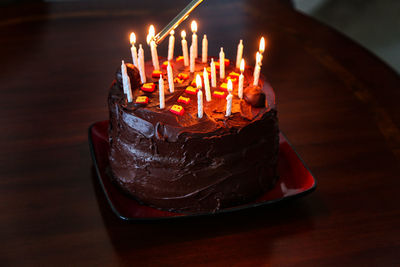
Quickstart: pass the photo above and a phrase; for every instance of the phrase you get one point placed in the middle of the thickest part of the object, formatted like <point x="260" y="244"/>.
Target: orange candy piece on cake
<point x="224" y="86"/>
<point x="180" y="58"/>
<point x="183" y="76"/>
<point x="233" y="79"/>
<point x="164" y="65"/>
<point x="156" y="74"/>
<point x="218" y="94"/>
<point x="148" y="87"/>
<point x="227" y="62"/>
<point x="234" y="75"/>
<point x="184" y="100"/>
<point x="142" y="100"/>
<point x="177" y="109"/>
<point x="191" y="90"/>
<point x="177" y="80"/>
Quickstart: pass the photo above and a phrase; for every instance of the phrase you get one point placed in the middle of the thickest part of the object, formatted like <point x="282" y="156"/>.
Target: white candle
<point x="194" y="38"/>
<point x="207" y="85"/>
<point x="213" y="74"/>
<point x="205" y="49"/>
<point x="257" y="69"/>
<point x="126" y="83"/>
<point x="133" y="49"/>
<point x="239" y="54"/>
<point x="185" y="49"/>
<point x="154" y="55"/>
<point x="129" y="95"/>
<point x="153" y="48"/>
<point x="199" y="97"/>
<point x="170" y="78"/>
<point x="171" y="46"/>
<point x="141" y="65"/>
<point x="192" y="59"/>
<point x="161" y="92"/>
<point x="229" y="99"/>
<point x="123" y="75"/>
<point x="241" y="79"/>
<point x="222" y="64"/>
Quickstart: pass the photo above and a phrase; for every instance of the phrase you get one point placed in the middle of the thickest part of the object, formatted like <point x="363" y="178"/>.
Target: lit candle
<point x="171" y="45"/>
<point x="126" y="83"/>
<point x="194" y="38"/>
<point x="185" y="49"/>
<point x="205" y="49"/>
<point x="241" y="79"/>
<point x="192" y="59"/>
<point x="199" y="97"/>
<point x="222" y="64"/>
<point x="207" y="85"/>
<point x="257" y="69"/>
<point x="239" y="54"/>
<point x="261" y="48"/>
<point x="229" y="99"/>
<point x="161" y="92"/>
<point x="170" y="78"/>
<point x="213" y="74"/>
<point x="141" y="64"/>
<point x="153" y="48"/>
<point x="133" y="49"/>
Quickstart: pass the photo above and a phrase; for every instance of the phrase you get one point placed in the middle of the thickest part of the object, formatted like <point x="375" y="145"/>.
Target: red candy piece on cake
<point x="142" y="100"/>
<point x="183" y="76"/>
<point x="180" y="58"/>
<point x="178" y="110"/>
<point x="191" y="90"/>
<point x="156" y="74"/>
<point x="148" y="87"/>
<point x="184" y="100"/>
<point x="218" y="94"/>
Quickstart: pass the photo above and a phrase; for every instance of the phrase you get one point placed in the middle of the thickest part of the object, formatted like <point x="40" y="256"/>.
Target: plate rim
<point x="201" y="214"/>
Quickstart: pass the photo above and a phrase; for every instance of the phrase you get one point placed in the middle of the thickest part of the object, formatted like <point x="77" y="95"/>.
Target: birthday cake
<point x="171" y="159"/>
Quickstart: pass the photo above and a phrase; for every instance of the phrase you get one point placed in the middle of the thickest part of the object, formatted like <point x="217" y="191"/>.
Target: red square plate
<point x="295" y="180"/>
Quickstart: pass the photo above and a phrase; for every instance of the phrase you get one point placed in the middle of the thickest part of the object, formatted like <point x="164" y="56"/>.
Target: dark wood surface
<point x="338" y="105"/>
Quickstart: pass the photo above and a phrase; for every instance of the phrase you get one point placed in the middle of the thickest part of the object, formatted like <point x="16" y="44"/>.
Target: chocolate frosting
<point x="187" y="164"/>
<point x="133" y="74"/>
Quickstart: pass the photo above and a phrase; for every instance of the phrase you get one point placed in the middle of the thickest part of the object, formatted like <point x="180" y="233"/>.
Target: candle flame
<point x="198" y="81"/>
<point x="152" y="30"/>
<point x="151" y="34"/>
<point x="132" y="38"/>
<point x="194" y="26"/>
<point x="230" y="86"/>
<point x="262" y="45"/>
<point x="172" y="32"/>
<point x="183" y="34"/>
<point x="242" y="65"/>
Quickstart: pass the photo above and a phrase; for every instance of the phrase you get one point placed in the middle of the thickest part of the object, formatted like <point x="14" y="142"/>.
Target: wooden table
<point x="338" y="105"/>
